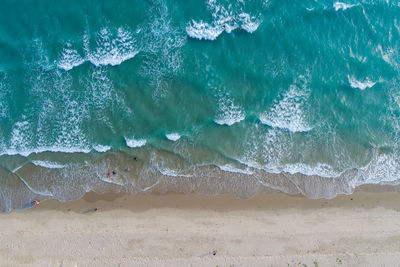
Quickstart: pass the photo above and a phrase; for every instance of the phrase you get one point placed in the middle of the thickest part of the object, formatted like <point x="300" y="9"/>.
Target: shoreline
<point x="24" y="181"/>
<point x="176" y="229"/>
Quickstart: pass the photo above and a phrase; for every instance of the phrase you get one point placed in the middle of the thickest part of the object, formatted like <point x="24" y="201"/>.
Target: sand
<point x="179" y="230"/>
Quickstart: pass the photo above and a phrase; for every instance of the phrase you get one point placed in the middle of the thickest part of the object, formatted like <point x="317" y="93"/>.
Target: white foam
<point x="70" y="134"/>
<point x="250" y="24"/>
<point x="4" y="91"/>
<point x="287" y="112"/>
<point x="67" y="136"/>
<point x="203" y="31"/>
<point x="342" y="6"/>
<point x="114" y="179"/>
<point x="388" y="55"/>
<point x="224" y="19"/>
<point x="101" y="148"/>
<point x="229" y="113"/>
<point x="319" y="169"/>
<point x="383" y="168"/>
<point x="26" y="152"/>
<point x="231" y="168"/>
<point x="132" y="142"/>
<point x="54" y="123"/>
<point x="359" y="84"/>
<point x="19" y="136"/>
<point x="229" y="121"/>
<point x="112" y="48"/>
<point x="69" y="58"/>
<point x="48" y="164"/>
<point x="173" y="173"/>
<point x="17" y="168"/>
<point x="173" y="136"/>
<point x="161" y="42"/>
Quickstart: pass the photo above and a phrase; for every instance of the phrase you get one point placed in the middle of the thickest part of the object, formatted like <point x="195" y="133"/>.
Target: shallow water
<point x="211" y="96"/>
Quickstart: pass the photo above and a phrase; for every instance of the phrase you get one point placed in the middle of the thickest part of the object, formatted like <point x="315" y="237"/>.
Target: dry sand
<point x="177" y="230"/>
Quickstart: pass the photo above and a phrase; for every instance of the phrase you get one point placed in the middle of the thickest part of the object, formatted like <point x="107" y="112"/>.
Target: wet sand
<point x="362" y="229"/>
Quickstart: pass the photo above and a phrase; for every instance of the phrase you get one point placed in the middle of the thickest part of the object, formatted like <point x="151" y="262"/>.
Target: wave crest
<point x="288" y="112"/>
<point x="224" y="19"/>
<point x="132" y="142"/>
<point x="342" y="6"/>
<point x="362" y="85"/>
<point x="173" y="136"/>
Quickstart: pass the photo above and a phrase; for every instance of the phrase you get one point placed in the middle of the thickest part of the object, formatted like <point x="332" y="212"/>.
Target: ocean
<point x="212" y="96"/>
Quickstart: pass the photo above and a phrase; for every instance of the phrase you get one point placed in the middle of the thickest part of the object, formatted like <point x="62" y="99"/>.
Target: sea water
<point x="208" y="96"/>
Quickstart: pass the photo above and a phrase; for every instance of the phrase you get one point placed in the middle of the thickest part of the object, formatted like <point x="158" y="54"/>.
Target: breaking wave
<point x="362" y="85"/>
<point x="173" y="136"/>
<point x="225" y="19"/>
<point x="289" y="110"/>
<point x="342" y="6"/>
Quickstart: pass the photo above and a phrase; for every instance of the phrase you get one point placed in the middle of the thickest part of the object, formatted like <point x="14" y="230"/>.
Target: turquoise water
<point x="209" y="96"/>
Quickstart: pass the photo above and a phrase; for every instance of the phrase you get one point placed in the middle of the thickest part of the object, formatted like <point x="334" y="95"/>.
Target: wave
<point x="38" y="150"/>
<point x="48" y="164"/>
<point x="132" y="142"/>
<point x="318" y="180"/>
<point x="230" y="119"/>
<point x="359" y="84"/>
<point x="316" y="169"/>
<point x="224" y="20"/>
<point x="69" y="58"/>
<point x="112" y="48"/>
<point x="249" y="23"/>
<point x="232" y="168"/>
<point x="101" y="148"/>
<point x="161" y="42"/>
<point x="4" y="92"/>
<point x="17" y="168"/>
<point x="228" y="112"/>
<point x="22" y="142"/>
<point x="172" y="173"/>
<point x="288" y="111"/>
<point x="173" y="136"/>
<point x="319" y="169"/>
<point x="382" y="169"/>
<point x="342" y="6"/>
<point x="203" y="31"/>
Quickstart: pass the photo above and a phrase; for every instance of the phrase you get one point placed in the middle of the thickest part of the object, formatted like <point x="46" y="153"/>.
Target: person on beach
<point x="91" y="210"/>
<point x="114" y="172"/>
<point x="127" y="169"/>
<point x="135" y="158"/>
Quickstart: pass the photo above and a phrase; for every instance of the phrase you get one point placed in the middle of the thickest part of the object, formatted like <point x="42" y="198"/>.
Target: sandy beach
<point x="362" y="229"/>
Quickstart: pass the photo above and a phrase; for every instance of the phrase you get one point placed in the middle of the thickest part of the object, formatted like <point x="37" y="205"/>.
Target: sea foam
<point x="101" y="148"/>
<point x="232" y="168"/>
<point x="112" y="48"/>
<point x="228" y="112"/>
<point x="342" y="6"/>
<point x="173" y="136"/>
<point x="362" y="85"/>
<point x="48" y="164"/>
<point x="132" y="142"/>
<point x="69" y="58"/>
<point x="288" y="111"/>
<point x="224" y="19"/>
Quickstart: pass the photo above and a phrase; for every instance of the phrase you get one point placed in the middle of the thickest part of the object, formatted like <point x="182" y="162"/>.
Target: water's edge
<point x="27" y="179"/>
